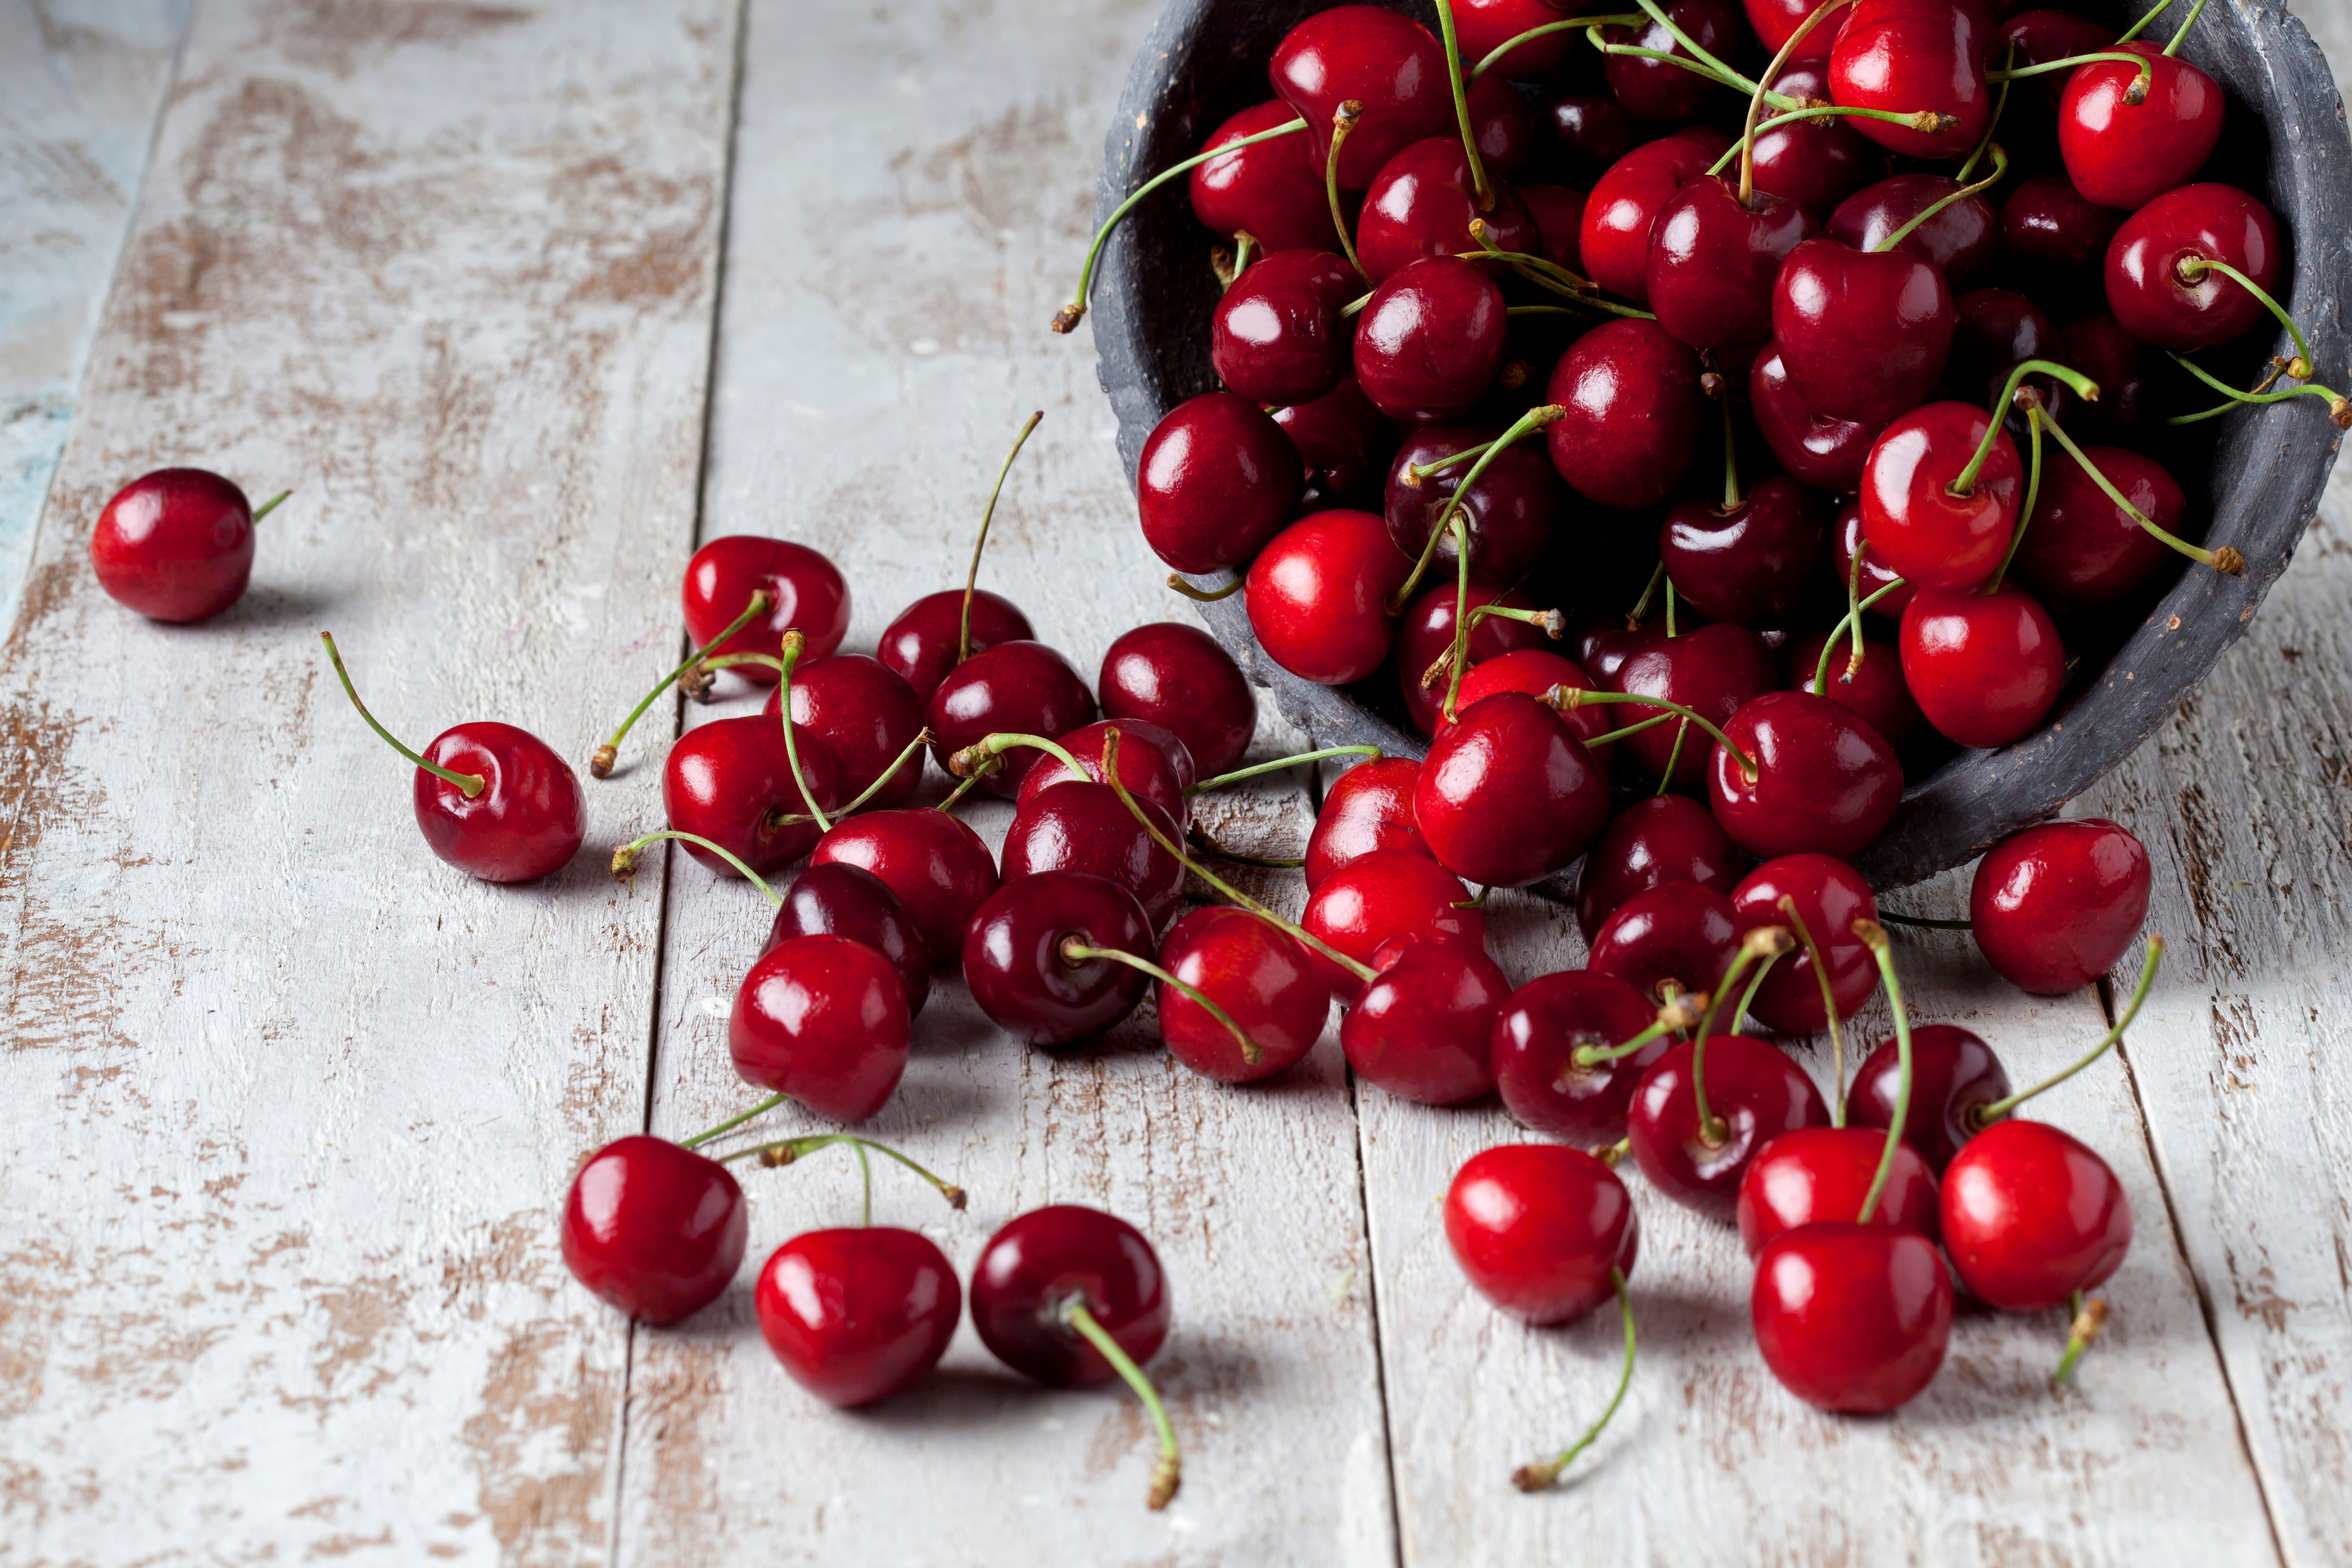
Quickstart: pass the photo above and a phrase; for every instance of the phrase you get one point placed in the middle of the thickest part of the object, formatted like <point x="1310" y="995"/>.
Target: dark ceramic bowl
<point x="2261" y="475"/>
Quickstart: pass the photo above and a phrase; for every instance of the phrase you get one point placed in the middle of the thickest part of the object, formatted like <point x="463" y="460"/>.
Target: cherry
<point x="731" y="781"/>
<point x="1874" y="691"/>
<point x="2100" y="348"/>
<point x="1753" y="562"/>
<point x="1428" y="344"/>
<point x="1018" y="688"/>
<point x="1262" y="976"/>
<point x="1015" y="963"/>
<point x="2031" y="1217"/>
<point x="921" y="646"/>
<point x="653" y="1229"/>
<point x="1422" y="203"/>
<point x="1586" y="132"/>
<point x="1604" y="645"/>
<point x="1317" y="595"/>
<point x="1655" y="842"/>
<point x="2042" y="38"/>
<point x="857" y="1314"/>
<point x="1539" y="1229"/>
<point x="1712" y="672"/>
<point x="2053" y="906"/>
<point x="1818" y="1173"/>
<point x="1504" y="126"/>
<point x="1278" y="335"/>
<point x="1823" y="782"/>
<point x="1344" y="443"/>
<point x="1423" y="1029"/>
<point x="1272" y="190"/>
<point x="2084" y="553"/>
<point x="1425" y="634"/>
<point x="1376" y="898"/>
<point x="1863" y="333"/>
<point x="1538" y="672"/>
<point x="862" y="715"/>
<point x="1816" y="449"/>
<point x="1824" y="896"/>
<point x="805" y="591"/>
<point x="1367" y="808"/>
<point x="1482" y="26"/>
<point x="1777" y="21"/>
<point x="2048" y="229"/>
<point x="1616" y="240"/>
<point x="839" y="900"/>
<point x="1754" y="1095"/>
<point x="1995" y="331"/>
<point x="1085" y="827"/>
<point x="1851" y="1318"/>
<point x="936" y="865"/>
<point x="823" y="1019"/>
<point x="1508" y="794"/>
<point x="1655" y="90"/>
<point x="1632" y="392"/>
<point x="1954" y="1074"/>
<point x="1509" y="509"/>
<point x="1179" y="679"/>
<point x="1962" y="241"/>
<point x="1389" y="64"/>
<point x="1712" y="258"/>
<point x="1157" y="765"/>
<point x="2123" y="152"/>
<point x="2161" y="283"/>
<point x="1910" y="56"/>
<point x="1559" y="212"/>
<point x="1986" y="667"/>
<point x="1814" y="163"/>
<point x="1676" y="937"/>
<point x="175" y="546"/>
<point x="1217" y="479"/>
<point x="1916" y="522"/>
<point x="1538" y="1033"/>
<point x="1892" y="589"/>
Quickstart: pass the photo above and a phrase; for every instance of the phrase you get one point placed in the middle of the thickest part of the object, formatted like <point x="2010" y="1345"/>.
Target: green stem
<point x="2084" y="388"/>
<point x="2089" y="1316"/>
<point x="1999" y="168"/>
<point x="1343" y="120"/>
<point x="2191" y="271"/>
<point x="1369" y="753"/>
<point x="732" y="1122"/>
<point x="2226" y="559"/>
<point x="468" y="784"/>
<point x="2178" y="38"/>
<point x="793" y="646"/>
<point x="600" y="764"/>
<point x="1766" y="942"/>
<point x="988" y="514"/>
<point x="1747" y="147"/>
<point x="1992" y="123"/>
<point x="2032" y="496"/>
<point x="2135" y="94"/>
<point x="957" y="794"/>
<point x="1480" y="191"/>
<point x="1207" y="595"/>
<point x="1876" y="939"/>
<point x="1731" y="77"/>
<point x="1537" y="1478"/>
<point x="1534" y="420"/>
<point x="1075" y="952"/>
<point x="1829" y="644"/>
<point x="1674" y="757"/>
<point x="1822" y="111"/>
<point x="1829" y="1006"/>
<point x="1670" y="608"/>
<point x="2338" y="410"/>
<point x="266" y="507"/>
<point x="625" y="858"/>
<point x="1614" y="736"/>
<point x="1680" y="1012"/>
<point x="789" y="1150"/>
<point x="1984" y="1116"/>
<point x="1731" y="453"/>
<point x="1642" y="606"/>
<point x="2137" y="28"/>
<point x="1739" y="1014"/>
<point x="906" y="753"/>
<point x="1570" y="698"/>
<point x="1461" y="647"/>
<point x="1622" y="19"/>
<point x="1169" y="1472"/>
<point x="865" y="1187"/>
<point x="980" y="758"/>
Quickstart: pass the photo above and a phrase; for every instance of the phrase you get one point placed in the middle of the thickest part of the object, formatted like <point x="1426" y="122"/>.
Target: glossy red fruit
<point x="1996" y="330"/>
<point x="1428" y="344"/>
<point x="1777" y="21"/>
<point x="1507" y="794"/>
<point x="1273" y="190"/>
<point x="1276" y="335"/>
<point x="2084" y="553"/>
<point x="1851" y="1318"/>
<point x="2030" y="1215"/>
<point x="921" y="646"/>
<point x="1655" y="841"/>
<point x="1953" y="1075"/>
<point x="1864" y="334"/>
<point x="857" y="1315"/>
<point x="1712" y="672"/>
<point x="1538" y="671"/>
<point x="1814" y="163"/>
<point x="1986" y="667"/>
<point x="1821" y="1174"/>
<point x="1825" y="896"/>
<point x="1845" y="542"/>
<point x="863" y="714"/>
<point x="1152" y="764"/>
<point x="1614" y="240"/>
<point x="1538" y="1229"/>
<point x="1344" y="442"/>
<point x="1508" y="512"/>
<point x="1538" y="1032"/>
<point x="1712" y="262"/>
<point x="1657" y="91"/>
<point x="1367" y="808"/>
<point x="1389" y="64"/>
<point x="1262" y="977"/>
<point x="1086" y="827"/>
<point x="527" y="822"/>
<point x="2146" y="290"/>
<point x="1915" y="523"/>
<point x="653" y="1229"/>
<point x="1482" y="26"/>
<point x="1377" y="898"/>
<point x="1755" y="1093"/>
<point x="1425" y="633"/>
<point x="1873" y="692"/>
<point x="2100" y="348"/>
<point x="1020" y="687"/>
<point x="837" y="899"/>
<point x="1217" y="479"/>
<point x="1181" y="679"/>
<point x="823" y="1019"/>
<point x="1826" y="782"/>
<point x="2122" y="154"/>
<point x="1816" y="449"/>
<point x="1317" y="595"/>
<point x="1012" y="956"/>
<point x="1633" y="414"/>
<point x="2049" y="231"/>
<point x="731" y="781"/>
<point x="175" y="546"/>
<point x="1039" y="1263"/>
<point x="1755" y="563"/>
<point x="2041" y="38"/>
<point x="1423" y="1030"/>
<point x="1422" y="203"/>
<point x="1559" y="212"/>
<point x="1678" y="936"/>
<point x="1909" y="56"/>
<point x="1962" y="241"/>
<point x="939" y="868"/>
<point x="1585" y="132"/>
<point x="2054" y="906"/>
<point x="805" y="589"/>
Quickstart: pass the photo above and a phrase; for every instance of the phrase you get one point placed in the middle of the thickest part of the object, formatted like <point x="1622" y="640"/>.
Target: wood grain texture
<point x="289" y="1103"/>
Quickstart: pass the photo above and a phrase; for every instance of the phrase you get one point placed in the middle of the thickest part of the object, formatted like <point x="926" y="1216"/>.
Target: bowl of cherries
<point x="1874" y="416"/>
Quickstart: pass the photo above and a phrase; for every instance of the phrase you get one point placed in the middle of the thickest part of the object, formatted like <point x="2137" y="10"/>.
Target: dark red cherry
<point x="1851" y="1318"/>
<point x="2084" y="553"/>
<point x="1915" y="524"/>
<point x="805" y="589"/>
<point x="1317" y="595"/>
<point x="1217" y="479"/>
<point x="1909" y="56"/>
<point x="1816" y="449"/>
<point x="920" y="647"/>
<point x="1262" y="977"/>
<point x="1559" y="212"/>
<point x="1819" y="1173"/>
<point x="1986" y="667"/>
<point x="1712" y="261"/>
<point x="1377" y="898"/>
<point x="1422" y="1030"/>
<point x="1034" y="1269"/>
<point x="1367" y="808"/>
<point x="1013" y="959"/>
<point x="1605" y="644"/>
<point x="1538" y="1229"/>
<point x="1391" y="65"/>
<point x="1428" y="344"/>
<point x="1504" y="125"/>
<point x="1995" y="329"/>
<point x="1586" y="132"/>
<point x="1625" y="202"/>
<point x="731" y="781"/>
<point x="653" y="1229"/>
<point x="1814" y="163"/>
<point x="864" y="715"/>
<point x="1634" y="409"/>
<point x="1825" y="896"/>
<point x="1826" y="782"/>
<point x="1655" y="89"/>
<point x="2154" y="284"/>
<point x="1510" y="512"/>
<point x="1875" y="691"/>
<point x="1181" y="679"/>
<point x="1963" y="241"/>
<point x="939" y="868"/>
<point x="1152" y="764"/>
<point x="1085" y="827"/>
<point x="1845" y="540"/>
<point x="1658" y="840"/>
<point x="1864" y="334"/>
<point x="1422" y="203"/>
<point x="1277" y="336"/>
<point x="2049" y="231"/>
<point x="2041" y="38"/>
<point x="1712" y="672"/>
<point x="1538" y="1033"/>
<point x="1344" y="443"/>
<point x="2054" y="906"/>
<point x="1507" y="794"/>
<point x="1674" y="937"/>
<point x="1536" y="672"/>
<point x="2100" y="348"/>
<point x="2030" y="1215"/>
<point x="838" y="900"/>
<point x="1022" y="688"/>
<point x="175" y="546"/>
<point x="1273" y="191"/>
<point x="1777" y="21"/>
<point x="525" y="822"/>
<point x="857" y="1315"/>
<point x="823" y="1019"/>
<point x="1426" y="632"/>
<point x="1482" y="26"/>
<point x="1754" y="1094"/>
<point x="1953" y="1076"/>
<point x="1755" y="563"/>
<point x="2124" y="155"/>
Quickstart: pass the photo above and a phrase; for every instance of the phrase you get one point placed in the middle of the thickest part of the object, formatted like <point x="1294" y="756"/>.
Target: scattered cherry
<point x="1818" y="1173"/>
<point x="1954" y="1074"/>
<point x="2031" y="1217"/>
<point x="175" y="546"/>
<point x="805" y="591"/>
<point x="823" y="1019"/>
<point x="1423" y="1029"/>
<point x="1851" y="1318"/>
<point x="859" y="1314"/>
<point x="1664" y="839"/>
<point x="653" y="1229"/>
<point x="1367" y="808"/>
<point x="838" y="900"/>
<point x="1539" y="1229"/>
<point x="1986" y="667"/>
<point x="1538" y="1033"/>
<point x="2054" y="906"/>
<point x="1217" y="479"/>
<point x="1262" y="977"/>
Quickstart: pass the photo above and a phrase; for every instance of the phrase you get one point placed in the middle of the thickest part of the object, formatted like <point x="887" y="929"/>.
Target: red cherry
<point x="1864" y="334"/>
<point x="2054" y="906"/>
<point x="1616" y="240"/>
<point x="1819" y="1173"/>
<point x="1953" y="1075"/>
<point x="1428" y="344"/>
<point x="1377" y="898"/>
<point x="1274" y="190"/>
<point x="2030" y="1215"/>
<point x="2049" y="229"/>
<point x="1986" y="667"/>
<point x="175" y="546"/>
<point x="1663" y="839"/>
<point x="653" y="1229"/>
<point x="1367" y="808"/>
<point x="1875" y="692"/>
<point x="1389" y="64"/>
<point x="1586" y="132"/>
<point x="2041" y="38"/>
<point x="1509" y="511"/>
<point x="1814" y="163"/>
<point x="921" y="645"/>
<point x="823" y="1019"/>
<point x="1755" y="562"/>
<point x="1423" y="1031"/>
<point x="1676" y="936"/>
<point x="864" y="715"/>
<point x="1754" y="1093"/>
<point x="1422" y="203"/>
<point x="1317" y="595"/>
<point x="1482" y="26"/>
<point x="1777" y="21"/>
<point x="1634" y="408"/>
<point x="1604" y="645"/>
<point x="1278" y="335"/>
<point x="1712" y="672"/>
<point x="2155" y="285"/>
<point x="837" y="899"/>
<point x="1825" y="896"/>
<point x="1826" y="782"/>
<point x="1181" y="679"/>
<point x="1559" y="212"/>
<point x="1845" y="541"/>
<point x="1019" y="975"/>
<point x="1909" y="56"/>
<point x="1217" y="479"/>
<point x="1509" y="795"/>
<point x="1994" y="330"/>
<point x="857" y="1315"/>
<point x="1536" y="671"/>
<point x="2100" y="348"/>
<point x="1426" y="632"/>
<point x="1344" y="442"/>
<point x="1915" y="523"/>
<point x="939" y="868"/>
<point x="1504" y="126"/>
<point x="2125" y="155"/>
<point x="1262" y="977"/>
<point x="1085" y="827"/>
<point x="1039" y="1263"/>
<point x="1152" y="764"/>
<point x="2084" y="553"/>
<point x="1816" y="449"/>
<point x="1538" y="1032"/>
<point x="1538" y="1228"/>
<point x="1851" y="1318"/>
<point x="804" y="590"/>
<point x="1962" y="241"/>
<point x="731" y="781"/>
<point x="1653" y="90"/>
<point x="1018" y="688"/>
<point x="1710" y="274"/>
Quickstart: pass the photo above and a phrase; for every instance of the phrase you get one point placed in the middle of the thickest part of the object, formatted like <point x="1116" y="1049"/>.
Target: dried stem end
<point x="1166" y="1476"/>
<point x="600" y="762"/>
<point x="1535" y="1478"/>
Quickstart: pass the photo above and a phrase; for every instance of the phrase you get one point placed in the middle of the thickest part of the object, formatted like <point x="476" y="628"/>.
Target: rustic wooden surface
<point x="290" y="1105"/>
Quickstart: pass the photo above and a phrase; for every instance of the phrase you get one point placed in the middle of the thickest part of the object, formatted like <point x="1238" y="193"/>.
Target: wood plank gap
<point x="1371" y="1280"/>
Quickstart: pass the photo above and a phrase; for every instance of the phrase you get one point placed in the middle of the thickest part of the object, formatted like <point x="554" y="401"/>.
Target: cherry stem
<point x="1756" y="983"/>
<point x="1829" y="1008"/>
<point x="1613" y="736"/>
<point x="1767" y="943"/>
<point x="2084" y="388"/>
<point x="1343" y="120"/>
<point x="1925" y="119"/>
<point x="2339" y="409"/>
<point x="1822" y="668"/>
<point x="1980" y="1117"/>
<point x="1874" y="937"/>
<point x="1756" y="104"/>
<point x="1074" y="953"/>
<point x="1202" y="786"/>
<point x="1479" y="189"/>
<point x="1460" y="647"/>
<point x="2031" y="401"/>
<point x="1730" y="448"/>
<point x="2090" y="1315"/>
<point x="1922" y="922"/>
<point x="2135" y="95"/>
<point x="980" y="758"/>
<point x="1570" y="698"/>
<point x="1554" y="624"/>
<point x="1730" y="77"/>
<point x="2226" y="559"/>
<point x="1622" y="19"/>
<point x="1674" y="758"/>
<point x="2179" y="37"/>
<point x="1642" y="606"/>
<point x="957" y="793"/>
<point x="1168" y="1474"/>
<point x="1071" y="314"/>
<point x="1537" y="1478"/>
<point x="1585" y="303"/>
<point x="468" y="784"/>
<point x="988" y="513"/>
<point x="600" y="764"/>
<point x="2191" y="271"/>
<point x="1853" y="614"/>
<point x="1199" y="839"/>
<point x="1536" y="268"/>
<point x="266" y="507"/>
<point x="1684" y="1009"/>
<point x="1670" y="607"/>
<point x="789" y="1150"/>
<point x="732" y="1122"/>
<point x="1206" y="595"/>
<point x="1534" y="420"/>
<point x="1992" y="123"/>
<point x="1720" y="75"/>
<point x="864" y="1187"/>
<point x="625" y="858"/>
<point x="1244" y="243"/>
<point x="2137" y="28"/>
<point x="2000" y="169"/>
<point x="793" y="643"/>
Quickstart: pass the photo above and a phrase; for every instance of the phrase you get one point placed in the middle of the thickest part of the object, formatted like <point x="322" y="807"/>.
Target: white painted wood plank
<point x="290" y="1105"/>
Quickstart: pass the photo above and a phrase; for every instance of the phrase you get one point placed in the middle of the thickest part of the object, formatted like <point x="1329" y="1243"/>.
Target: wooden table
<point x="525" y="300"/>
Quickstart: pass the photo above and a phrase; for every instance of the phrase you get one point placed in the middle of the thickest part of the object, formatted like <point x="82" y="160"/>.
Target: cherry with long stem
<point x="1926" y="121"/>
<point x="2031" y="401"/>
<point x="1980" y="1117"/>
<point x="2089" y="1315"/>
<point x="1074" y="952"/>
<point x="600" y="762"/>
<point x="2339" y="407"/>
<point x="1527" y="424"/>
<point x="1343" y="120"/>
<point x="1767" y="943"/>
<point x="789" y="1150"/>
<point x="2134" y="95"/>
<point x="1568" y="698"/>
<point x="1999" y="172"/>
<point x="1202" y="786"/>
<point x="732" y="1122"/>
<point x="1874" y="937"/>
<point x="1992" y="123"/>
<point x="1828" y="1000"/>
<point x="625" y="860"/>
<point x="1537" y="1478"/>
<point x="469" y="784"/>
<point x="1965" y="483"/>
<point x="1480" y="190"/>
<point x="1679" y="1012"/>
<point x="1756" y="107"/>
<point x="1168" y="1474"/>
<point x="987" y="515"/>
<point x="794" y="643"/>
<point x="2226" y="559"/>
<point x="1854" y="615"/>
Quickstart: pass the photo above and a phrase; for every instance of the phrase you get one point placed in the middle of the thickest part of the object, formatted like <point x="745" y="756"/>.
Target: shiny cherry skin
<point x="2204" y="222"/>
<point x="1863" y="334"/>
<point x="1022" y="687"/>
<point x="1377" y="898"/>
<point x="1625" y="201"/>
<point x="939" y="868"/>
<point x="1538" y="673"/>
<point x="175" y="546"/>
<point x="1752" y="1088"/>
<point x="2121" y="155"/>
<point x="1820" y="1174"/>
<point x="1426" y="632"/>
<point x="1086" y="827"/>
<point x="1262" y="977"/>
<point x="2100" y="348"/>
<point x="1538" y="1228"/>
<point x="1559" y="212"/>
<point x="1504" y="125"/>
<point x="1994" y="330"/>
<point x="1421" y="203"/>
<point x="1585" y="132"/>
<point x="1655" y="841"/>
<point x="1181" y="679"/>
<point x="1276" y="335"/>
<point x="1713" y="671"/>
<point x="1482" y="26"/>
<point x="865" y="714"/>
<point x="1428" y="344"/>
<point x="2047" y="227"/>
<point x="921" y="646"/>
<point x="1777" y="21"/>
<point x="823" y="1019"/>
<point x="653" y="1229"/>
<point x="1875" y="691"/>
<point x="838" y="900"/>
<point x="2030" y="1215"/>
<point x="529" y="819"/>
<point x="1816" y="449"/>
<point x="858" y="1314"/>
<point x="1677" y="935"/>
<point x="1273" y="191"/>
<point x="2040" y="37"/>
<point x="1033" y="1268"/>
<point x="1963" y="241"/>
<point x="1217" y="481"/>
<point x="1655" y="90"/>
<point x="1825" y="896"/>
<point x="1826" y="782"/>
<point x="1317" y="595"/>
<point x="1953" y="1075"/>
<point x="1507" y="794"/>
<point x="1152" y="764"/>
<point x="1846" y="540"/>
<point x="1915" y="525"/>
<point x="1986" y="667"/>
<point x="1423" y="1030"/>
<point x="1538" y="1032"/>
<point x="1852" y="1319"/>
<point x="1510" y="512"/>
<point x="1345" y="443"/>
<point x="1814" y="163"/>
<point x="1605" y="644"/>
<point x="1635" y="410"/>
<point x="1367" y="808"/>
<point x="1712" y="262"/>
<point x="2054" y="906"/>
<point x="1389" y="64"/>
<point x="1754" y="563"/>
<point x="1012" y="956"/>
<point x="805" y="589"/>
<point x="1909" y="56"/>
<point x="731" y="782"/>
<point x="2084" y="551"/>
